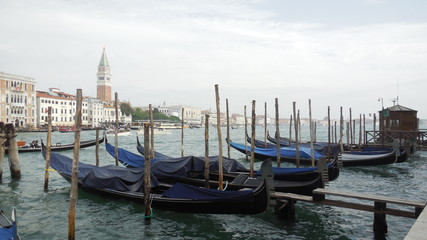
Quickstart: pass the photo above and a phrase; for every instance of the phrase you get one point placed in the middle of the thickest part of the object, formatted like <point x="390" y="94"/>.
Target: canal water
<point x="44" y="215"/>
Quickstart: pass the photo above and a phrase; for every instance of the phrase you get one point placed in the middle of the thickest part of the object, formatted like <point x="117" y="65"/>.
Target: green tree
<point x="126" y="108"/>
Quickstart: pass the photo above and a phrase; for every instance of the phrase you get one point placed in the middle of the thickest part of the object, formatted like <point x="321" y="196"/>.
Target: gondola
<point x="191" y="169"/>
<point x="402" y="155"/>
<point x="8" y="226"/>
<point x="287" y="154"/>
<point x="351" y="159"/>
<point x="233" y="166"/>
<point x="128" y="183"/>
<point x="321" y="147"/>
<point x="333" y="171"/>
<point x="59" y="146"/>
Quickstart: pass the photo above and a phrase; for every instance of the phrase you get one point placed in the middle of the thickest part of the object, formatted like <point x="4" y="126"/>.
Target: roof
<point x="400" y="108"/>
<point x="104" y="60"/>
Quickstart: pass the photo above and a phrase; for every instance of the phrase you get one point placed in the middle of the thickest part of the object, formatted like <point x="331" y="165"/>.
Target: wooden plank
<point x="292" y="196"/>
<point x="344" y="204"/>
<point x="324" y="191"/>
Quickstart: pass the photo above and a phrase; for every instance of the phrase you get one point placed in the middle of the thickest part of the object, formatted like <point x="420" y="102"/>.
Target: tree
<point x="126" y="109"/>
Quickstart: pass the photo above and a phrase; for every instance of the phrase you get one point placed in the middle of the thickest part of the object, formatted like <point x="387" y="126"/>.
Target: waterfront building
<point x="63" y="108"/>
<point x="96" y="112"/>
<point x="17" y="98"/>
<point x="103" y="91"/>
<point x="192" y="115"/>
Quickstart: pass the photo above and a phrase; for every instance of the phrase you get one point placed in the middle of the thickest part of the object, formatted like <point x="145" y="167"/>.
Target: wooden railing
<point x="388" y="137"/>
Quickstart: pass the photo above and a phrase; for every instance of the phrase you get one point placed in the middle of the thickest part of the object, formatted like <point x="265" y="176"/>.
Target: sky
<point x="338" y="53"/>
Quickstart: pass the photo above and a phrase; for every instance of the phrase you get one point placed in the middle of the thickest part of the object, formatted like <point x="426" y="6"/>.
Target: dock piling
<point x="14" y="164"/>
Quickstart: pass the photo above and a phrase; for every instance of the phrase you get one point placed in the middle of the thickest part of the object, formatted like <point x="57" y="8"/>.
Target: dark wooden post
<point x="290" y="130"/>
<point x="152" y="130"/>
<point x="218" y="126"/>
<point x="147" y="173"/>
<point x="265" y="124"/>
<point x="97" y="147"/>
<point x="277" y="133"/>
<point x="246" y="134"/>
<point x="116" y="136"/>
<point x="228" y="128"/>
<point x="207" y="151"/>
<point x="341" y="130"/>
<point x="360" y="130"/>
<point x="351" y="132"/>
<point x="2" y="149"/>
<point x="375" y="122"/>
<point x="296" y="135"/>
<point x="251" y="168"/>
<point x="364" y="130"/>
<point x="380" y="223"/>
<point x="335" y="132"/>
<point x="14" y="165"/>
<point x="329" y="133"/>
<point x="74" y="171"/>
<point x="311" y="133"/>
<point x="48" y="145"/>
<point x="182" y="132"/>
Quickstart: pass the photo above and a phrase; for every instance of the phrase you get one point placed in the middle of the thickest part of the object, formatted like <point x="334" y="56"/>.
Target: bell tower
<point x="103" y="82"/>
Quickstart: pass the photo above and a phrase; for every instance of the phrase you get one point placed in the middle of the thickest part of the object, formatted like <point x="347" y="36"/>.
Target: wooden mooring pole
<point x="151" y="130"/>
<point x="296" y="135"/>
<point x="147" y="173"/>
<point x="14" y="164"/>
<point x="116" y="136"/>
<point x="207" y="151"/>
<point x="218" y="126"/>
<point x="97" y="147"/>
<point x="2" y="149"/>
<point x="311" y="133"/>
<point x="182" y="132"/>
<point x="74" y="171"/>
<point x="228" y="128"/>
<point x="265" y="124"/>
<point x="278" y="154"/>
<point x="48" y="145"/>
<point x="251" y="168"/>
<point x="246" y="134"/>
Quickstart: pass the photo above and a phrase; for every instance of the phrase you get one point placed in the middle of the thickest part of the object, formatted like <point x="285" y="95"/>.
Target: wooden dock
<point x="285" y="205"/>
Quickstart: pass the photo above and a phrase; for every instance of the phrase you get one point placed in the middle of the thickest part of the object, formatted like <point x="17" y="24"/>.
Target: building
<point x="17" y="98"/>
<point x="399" y="118"/>
<point x="192" y="115"/>
<point x="96" y="112"/>
<point x="103" y="91"/>
<point x="63" y="107"/>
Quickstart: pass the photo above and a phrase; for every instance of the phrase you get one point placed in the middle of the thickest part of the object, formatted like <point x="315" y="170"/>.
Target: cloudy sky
<point x="334" y="52"/>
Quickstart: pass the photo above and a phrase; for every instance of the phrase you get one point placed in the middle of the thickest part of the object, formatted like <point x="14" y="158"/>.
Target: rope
<point x="151" y="213"/>
<point x="50" y="170"/>
<point x="226" y="185"/>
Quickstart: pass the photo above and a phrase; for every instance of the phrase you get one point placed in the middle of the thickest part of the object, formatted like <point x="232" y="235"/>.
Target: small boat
<point x="57" y="147"/>
<point x="156" y="131"/>
<point x="8" y="226"/>
<point x="170" y="126"/>
<point x="120" y="133"/>
<point x="66" y="129"/>
<point x="128" y="183"/>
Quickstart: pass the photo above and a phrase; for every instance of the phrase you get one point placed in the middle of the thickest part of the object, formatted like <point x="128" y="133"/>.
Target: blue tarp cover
<point x="289" y="152"/>
<point x="128" y="158"/>
<point x="180" y="190"/>
<point x="111" y="177"/>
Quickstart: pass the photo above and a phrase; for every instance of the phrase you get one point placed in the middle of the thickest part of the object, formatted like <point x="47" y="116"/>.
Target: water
<point x="44" y="215"/>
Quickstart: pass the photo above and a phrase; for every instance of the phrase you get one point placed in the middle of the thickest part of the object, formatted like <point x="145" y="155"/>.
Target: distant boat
<point x="57" y="147"/>
<point x="66" y="129"/>
<point x="156" y="131"/>
<point x="169" y="126"/>
<point x="121" y="132"/>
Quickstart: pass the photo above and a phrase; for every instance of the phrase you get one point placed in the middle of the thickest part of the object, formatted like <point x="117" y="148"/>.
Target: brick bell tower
<point x="103" y="91"/>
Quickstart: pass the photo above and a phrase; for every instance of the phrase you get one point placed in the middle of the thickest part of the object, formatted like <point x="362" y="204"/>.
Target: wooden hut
<point x="398" y="118"/>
